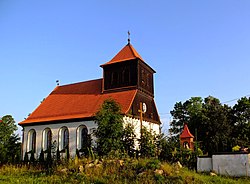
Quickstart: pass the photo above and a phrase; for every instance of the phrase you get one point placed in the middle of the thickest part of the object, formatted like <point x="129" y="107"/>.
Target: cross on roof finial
<point x="128" y="37"/>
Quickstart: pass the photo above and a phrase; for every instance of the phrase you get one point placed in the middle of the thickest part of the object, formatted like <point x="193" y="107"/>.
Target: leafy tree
<point x="241" y="122"/>
<point x="9" y="142"/>
<point x="188" y="112"/>
<point x="110" y="127"/>
<point x="129" y="140"/>
<point x="216" y="124"/>
<point x="208" y="117"/>
<point x="147" y="143"/>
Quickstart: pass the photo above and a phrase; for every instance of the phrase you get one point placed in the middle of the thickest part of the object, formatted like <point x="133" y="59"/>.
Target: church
<point x="67" y="115"/>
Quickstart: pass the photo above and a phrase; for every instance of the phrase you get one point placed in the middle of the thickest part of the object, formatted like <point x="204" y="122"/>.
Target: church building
<point x="66" y="116"/>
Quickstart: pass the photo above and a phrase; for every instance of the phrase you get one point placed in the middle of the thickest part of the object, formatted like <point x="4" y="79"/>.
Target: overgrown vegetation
<point x="119" y="171"/>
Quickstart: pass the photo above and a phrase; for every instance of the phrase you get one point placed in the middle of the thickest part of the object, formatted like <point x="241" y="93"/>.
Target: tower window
<point x="114" y="79"/>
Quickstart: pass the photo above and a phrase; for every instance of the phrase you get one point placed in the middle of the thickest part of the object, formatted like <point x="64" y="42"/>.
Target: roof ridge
<point x="81" y="82"/>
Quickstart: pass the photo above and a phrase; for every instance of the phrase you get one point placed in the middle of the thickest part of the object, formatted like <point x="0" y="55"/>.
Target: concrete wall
<point x="204" y="164"/>
<point x="226" y="164"/>
<point x="232" y="164"/>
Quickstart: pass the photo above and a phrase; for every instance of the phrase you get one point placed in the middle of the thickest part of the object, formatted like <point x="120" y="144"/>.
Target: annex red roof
<point x="79" y="100"/>
<point x="186" y="133"/>
<point x="127" y="53"/>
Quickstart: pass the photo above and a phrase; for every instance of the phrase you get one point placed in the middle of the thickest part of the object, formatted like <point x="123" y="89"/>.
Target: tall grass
<point x="109" y="171"/>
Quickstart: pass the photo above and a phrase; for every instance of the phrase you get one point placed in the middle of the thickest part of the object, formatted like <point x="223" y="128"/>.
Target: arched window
<point x="63" y="138"/>
<point x="31" y="141"/>
<point x="82" y="137"/>
<point x="47" y="139"/>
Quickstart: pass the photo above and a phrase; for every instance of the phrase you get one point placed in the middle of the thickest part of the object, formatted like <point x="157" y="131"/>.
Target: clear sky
<point x="198" y="48"/>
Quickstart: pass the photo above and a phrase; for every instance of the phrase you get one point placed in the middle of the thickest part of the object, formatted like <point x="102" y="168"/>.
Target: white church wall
<point x="72" y="127"/>
<point x="155" y="128"/>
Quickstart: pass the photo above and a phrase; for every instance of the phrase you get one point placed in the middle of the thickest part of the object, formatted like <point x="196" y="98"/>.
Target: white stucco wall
<point x="155" y="128"/>
<point x="231" y="164"/>
<point x="72" y="127"/>
<point x="204" y="164"/>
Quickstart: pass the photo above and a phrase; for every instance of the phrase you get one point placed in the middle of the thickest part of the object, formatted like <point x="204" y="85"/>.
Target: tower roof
<point x="186" y="133"/>
<point x="126" y="53"/>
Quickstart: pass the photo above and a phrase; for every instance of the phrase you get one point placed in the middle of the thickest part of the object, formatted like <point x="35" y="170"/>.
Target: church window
<point x="82" y="137"/>
<point x="31" y="141"/>
<point x="63" y="138"/>
<point x="47" y="139"/>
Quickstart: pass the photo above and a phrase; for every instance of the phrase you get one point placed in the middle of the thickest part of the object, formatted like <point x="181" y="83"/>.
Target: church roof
<point x="186" y="133"/>
<point x="77" y="101"/>
<point x="127" y="53"/>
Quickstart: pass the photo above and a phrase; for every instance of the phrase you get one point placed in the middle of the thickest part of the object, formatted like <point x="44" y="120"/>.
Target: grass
<point x="111" y="171"/>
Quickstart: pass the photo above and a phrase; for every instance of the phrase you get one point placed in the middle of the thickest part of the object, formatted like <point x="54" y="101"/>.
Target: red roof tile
<point x="186" y="133"/>
<point x="127" y="53"/>
<point x="79" y="100"/>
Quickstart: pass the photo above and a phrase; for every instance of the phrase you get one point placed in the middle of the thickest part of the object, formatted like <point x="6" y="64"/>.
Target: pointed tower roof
<point x="127" y="53"/>
<point x="186" y="133"/>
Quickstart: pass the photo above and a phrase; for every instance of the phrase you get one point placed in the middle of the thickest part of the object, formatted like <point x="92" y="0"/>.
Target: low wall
<point x="204" y="164"/>
<point x="225" y="164"/>
<point x="231" y="164"/>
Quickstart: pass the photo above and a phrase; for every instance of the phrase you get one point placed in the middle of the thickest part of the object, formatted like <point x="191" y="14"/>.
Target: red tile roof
<point x="127" y="53"/>
<point x="186" y="133"/>
<point x="79" y="100"/>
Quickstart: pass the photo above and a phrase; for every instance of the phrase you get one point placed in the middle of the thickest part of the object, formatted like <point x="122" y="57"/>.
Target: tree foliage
<point x="110" y="128"/>
<point x="208" y="117"/>
<point x="219" y="127"/>
<point x="241" y="122"/>
<point x="10" y="147"/>
<point x="129" y="140"/>
<point x="147" y="143"/>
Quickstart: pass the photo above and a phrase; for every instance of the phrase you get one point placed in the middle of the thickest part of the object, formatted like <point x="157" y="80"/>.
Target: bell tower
<point x="127" y="70"/>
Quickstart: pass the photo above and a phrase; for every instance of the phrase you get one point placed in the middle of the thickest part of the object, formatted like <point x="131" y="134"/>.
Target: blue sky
<point x="198" y="48"/>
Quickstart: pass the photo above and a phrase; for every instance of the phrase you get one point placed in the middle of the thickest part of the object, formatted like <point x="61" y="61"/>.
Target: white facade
<point x="72" y="129"/>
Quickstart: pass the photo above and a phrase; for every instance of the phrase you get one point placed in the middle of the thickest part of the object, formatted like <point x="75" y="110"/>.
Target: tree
<point x="110" y="127"/>
<point x="208" y="117"/>
<point x="9" y="142"/>
<point x="147" y="143"/>
<point x="216" y="124"/>
<point x="241" y="122"/>
<point x="129" y="140"/>
<point x="188" y="112"/>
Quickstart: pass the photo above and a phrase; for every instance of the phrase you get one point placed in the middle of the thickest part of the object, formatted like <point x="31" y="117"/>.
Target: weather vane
<point x="128" y="37"/>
